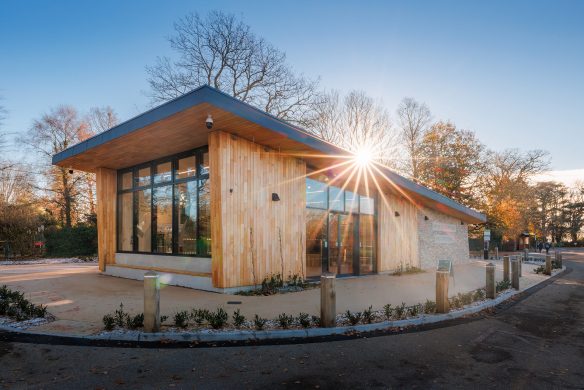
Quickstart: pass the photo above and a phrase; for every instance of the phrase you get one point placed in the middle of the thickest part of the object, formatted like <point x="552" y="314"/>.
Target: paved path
<point x="79" y="296"/>
<point x="537" y="343"/>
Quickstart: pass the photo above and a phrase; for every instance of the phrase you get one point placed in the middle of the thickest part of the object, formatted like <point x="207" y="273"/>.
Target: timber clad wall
<point x="106" y="193"/>
<point x="397" y="236"/>
<point x="251" y="235"/>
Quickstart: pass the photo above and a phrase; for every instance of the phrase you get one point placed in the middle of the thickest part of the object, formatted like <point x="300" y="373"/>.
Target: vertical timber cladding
<point x="397" y="235"/>
<point x="106" y="193"/>
<point x="253" y="236"/>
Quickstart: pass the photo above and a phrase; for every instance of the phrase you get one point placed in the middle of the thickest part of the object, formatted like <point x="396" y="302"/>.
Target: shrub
<point x="285" y="320"/>
<point x="429" y="307"/>
<point x="259" y="322"/>
<point x="218" y="319"/>
<point x="80" y="240"/>
<point x="400" y="311"/>
<point x="135" y="322"/>
<point x="466" y="298"/>
<point x="163" y="319"/>
<point x="108" y="322"/>
<point x="199" y="316"/>
<point x="353" y="318"/>
<point x="181" y="319"/>
<point x="271" y="284"/>
<point x="304" y="320"/>
<point x="502" y="285"/>
<point x="479" y="295"/>
<point x="316" y="321"/>
<point x="368" y="315"/>
<point x="120" y="316"/>
<point x="296" y="281"/>
<point x="388" y="311"/>
<point x="238" y="318"/>
<point x="413" y="310"/>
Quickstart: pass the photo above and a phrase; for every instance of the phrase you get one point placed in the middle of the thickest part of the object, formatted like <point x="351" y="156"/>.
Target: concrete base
<point x="195" y="282"/>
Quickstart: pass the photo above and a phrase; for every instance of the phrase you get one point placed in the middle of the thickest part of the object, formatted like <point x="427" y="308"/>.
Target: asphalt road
<point x="535" y="343"/>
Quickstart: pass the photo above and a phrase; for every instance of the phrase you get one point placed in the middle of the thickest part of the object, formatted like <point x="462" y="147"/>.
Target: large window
<point x="164" y="206"/>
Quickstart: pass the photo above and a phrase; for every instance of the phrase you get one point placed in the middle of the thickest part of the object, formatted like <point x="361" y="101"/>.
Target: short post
<point x="560" y="260"/>
<point x="490" y="282"/>
<point x="515" y="274"/>
<point x="328" y="301"/>
<point x="151" y="302"/>
<point x="520" y="261"/>
<point x="442" y="305"/>
<point x="506" y="266"/>
<point x="496" y="253"/>
<point x="548" y="264"/>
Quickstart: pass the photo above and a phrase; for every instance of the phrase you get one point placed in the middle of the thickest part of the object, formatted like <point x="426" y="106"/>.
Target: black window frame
<point x="174" y="181"/>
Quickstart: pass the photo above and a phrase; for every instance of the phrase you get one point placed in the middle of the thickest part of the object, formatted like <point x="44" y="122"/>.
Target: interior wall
<point x="253" y="236"/>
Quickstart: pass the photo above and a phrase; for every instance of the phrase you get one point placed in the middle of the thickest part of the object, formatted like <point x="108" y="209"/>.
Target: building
<point x="221" y="207"/>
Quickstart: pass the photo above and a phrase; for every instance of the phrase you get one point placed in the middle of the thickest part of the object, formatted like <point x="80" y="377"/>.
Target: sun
<point x="363" y="157"/>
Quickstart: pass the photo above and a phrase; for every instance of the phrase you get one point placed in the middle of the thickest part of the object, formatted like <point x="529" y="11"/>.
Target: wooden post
<point x="506" y="267"/>
<point x="328" y="301"/>
<point x="496" y="253"/>
<point x="515" y="274"/>
<point x="520" y="261"/>
<point x="548" y="264"/>
<point x="442" y="305"/>
<point x="560" y="260"/>
<point x="151" y="302"/>
<point x="490" y="282"/>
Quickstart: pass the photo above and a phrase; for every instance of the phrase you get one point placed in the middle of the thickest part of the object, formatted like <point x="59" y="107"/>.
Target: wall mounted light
<point x="462" y="223"/>
<point x="426" y="218"/>
<point x="396" y="214"/>
<point x="275" y="197"/>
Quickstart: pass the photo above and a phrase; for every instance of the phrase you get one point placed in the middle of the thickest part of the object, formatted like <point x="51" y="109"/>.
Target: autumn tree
<point x="450" y="161"/>
<point x="575" y="211"/>
<point x="413" y="119"/>
<point x="51" y="134"/>
<point x="221" y="51"/>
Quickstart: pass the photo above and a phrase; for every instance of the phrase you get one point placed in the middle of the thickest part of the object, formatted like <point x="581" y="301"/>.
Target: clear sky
<point x="512" y="71"/>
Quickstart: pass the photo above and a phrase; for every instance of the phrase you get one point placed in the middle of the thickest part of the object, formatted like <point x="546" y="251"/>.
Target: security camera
<point x="70" y="170"/>
<point x="209" y="122"/>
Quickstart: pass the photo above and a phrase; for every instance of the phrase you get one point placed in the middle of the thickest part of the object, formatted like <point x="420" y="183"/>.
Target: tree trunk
<point x="66" y="199"/>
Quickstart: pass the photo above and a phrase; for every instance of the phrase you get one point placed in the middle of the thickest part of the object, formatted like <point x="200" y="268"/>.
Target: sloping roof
<point x="211" y="96"/>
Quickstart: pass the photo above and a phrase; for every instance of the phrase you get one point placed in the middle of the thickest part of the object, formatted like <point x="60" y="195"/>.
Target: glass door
<point x="341" y="239"/>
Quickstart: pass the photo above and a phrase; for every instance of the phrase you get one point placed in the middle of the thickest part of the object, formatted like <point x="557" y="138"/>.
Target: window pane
<point x="143" y="177"/>
<point x="316" y="244"/>
<point x="315" y="194"/>
<point x="351" y="202"/>
<point x="187" y="167"/>
<point x="162" y="202"/>
<point x="204" y="239"/>
<point x="367" y="205"/>
<point x="204" y="164"/>
<point x="367" y="243"/>
<point x="163" y="173"/>
<point x="127" y="180"/>
<point x="143" y="228"/>
<point x="125" y="220"/>
<point x="186" y="201"/>
<point x="336" y="199"/>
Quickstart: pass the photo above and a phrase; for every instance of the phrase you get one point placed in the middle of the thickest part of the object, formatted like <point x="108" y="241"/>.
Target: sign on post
<point x="487" y="235"/>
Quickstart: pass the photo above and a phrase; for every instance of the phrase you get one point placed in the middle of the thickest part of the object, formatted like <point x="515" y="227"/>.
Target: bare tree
<point x="53" y="133"/>
<point x="221" y="51"/>
<point x="413" y="120"/>
<point x="2" y="117"/>
<point x="357" y="123"/>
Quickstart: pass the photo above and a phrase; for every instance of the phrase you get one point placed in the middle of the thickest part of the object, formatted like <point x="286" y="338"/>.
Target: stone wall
<point x="441" y="237"/>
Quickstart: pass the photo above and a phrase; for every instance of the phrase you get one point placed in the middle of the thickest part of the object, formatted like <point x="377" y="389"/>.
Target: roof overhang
<point x="179" y="125"/>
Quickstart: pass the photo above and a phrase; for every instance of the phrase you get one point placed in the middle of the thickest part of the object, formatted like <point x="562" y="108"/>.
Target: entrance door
<point x="342" y="243"/>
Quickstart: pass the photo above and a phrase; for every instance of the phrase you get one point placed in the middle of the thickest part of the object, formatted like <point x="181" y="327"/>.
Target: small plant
<point x="217" y="319"/>
<point x="200" y="316"/>
<point x="455" y="302"/>
<point x="429" y="307"/>
<point x="135" y="322"/>
<point x="388" y="311"/>
<point x="368" y="315"/>
<point x="296" y="281"/>
<point x="285" y="320"/>
<point x="479" y="295"/>
<point x="238" y="318"/>
<point x="181" y="319"/>
<point x="466" y="298"/>
<point x="163" y="319"/>
<point x="503" y="285"/>
<point x="259" y="322"/>
<point x="400" y="311"/>
<point x="120" y="316"/>
<point x="414" y="310"/>
<point x="353" y="318"/>
<point x="108" y="322"/>
<point x="316" y="321"/>
<point x="272" y="284"/>
<point x="304" y="320"/>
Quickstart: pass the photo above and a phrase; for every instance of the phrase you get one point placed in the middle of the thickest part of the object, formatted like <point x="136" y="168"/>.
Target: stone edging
<point x="210" y="336"/>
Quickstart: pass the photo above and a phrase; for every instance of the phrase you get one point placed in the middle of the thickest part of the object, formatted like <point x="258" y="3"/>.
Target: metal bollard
<point x="490" y="282"/>
<point x="496" y="253"/>
<point x="548" y="264"/>
<point x="506" y="266"/>
<point x="151" y="302"/>
<point x="520" y="260"/>
<point x="515" y="274"/>
<point x="328" y="301"/>
<point x="442" y="305"/>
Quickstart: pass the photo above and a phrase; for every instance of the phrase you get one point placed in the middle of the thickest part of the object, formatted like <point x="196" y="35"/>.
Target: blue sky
<point x="510" y="71"/>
